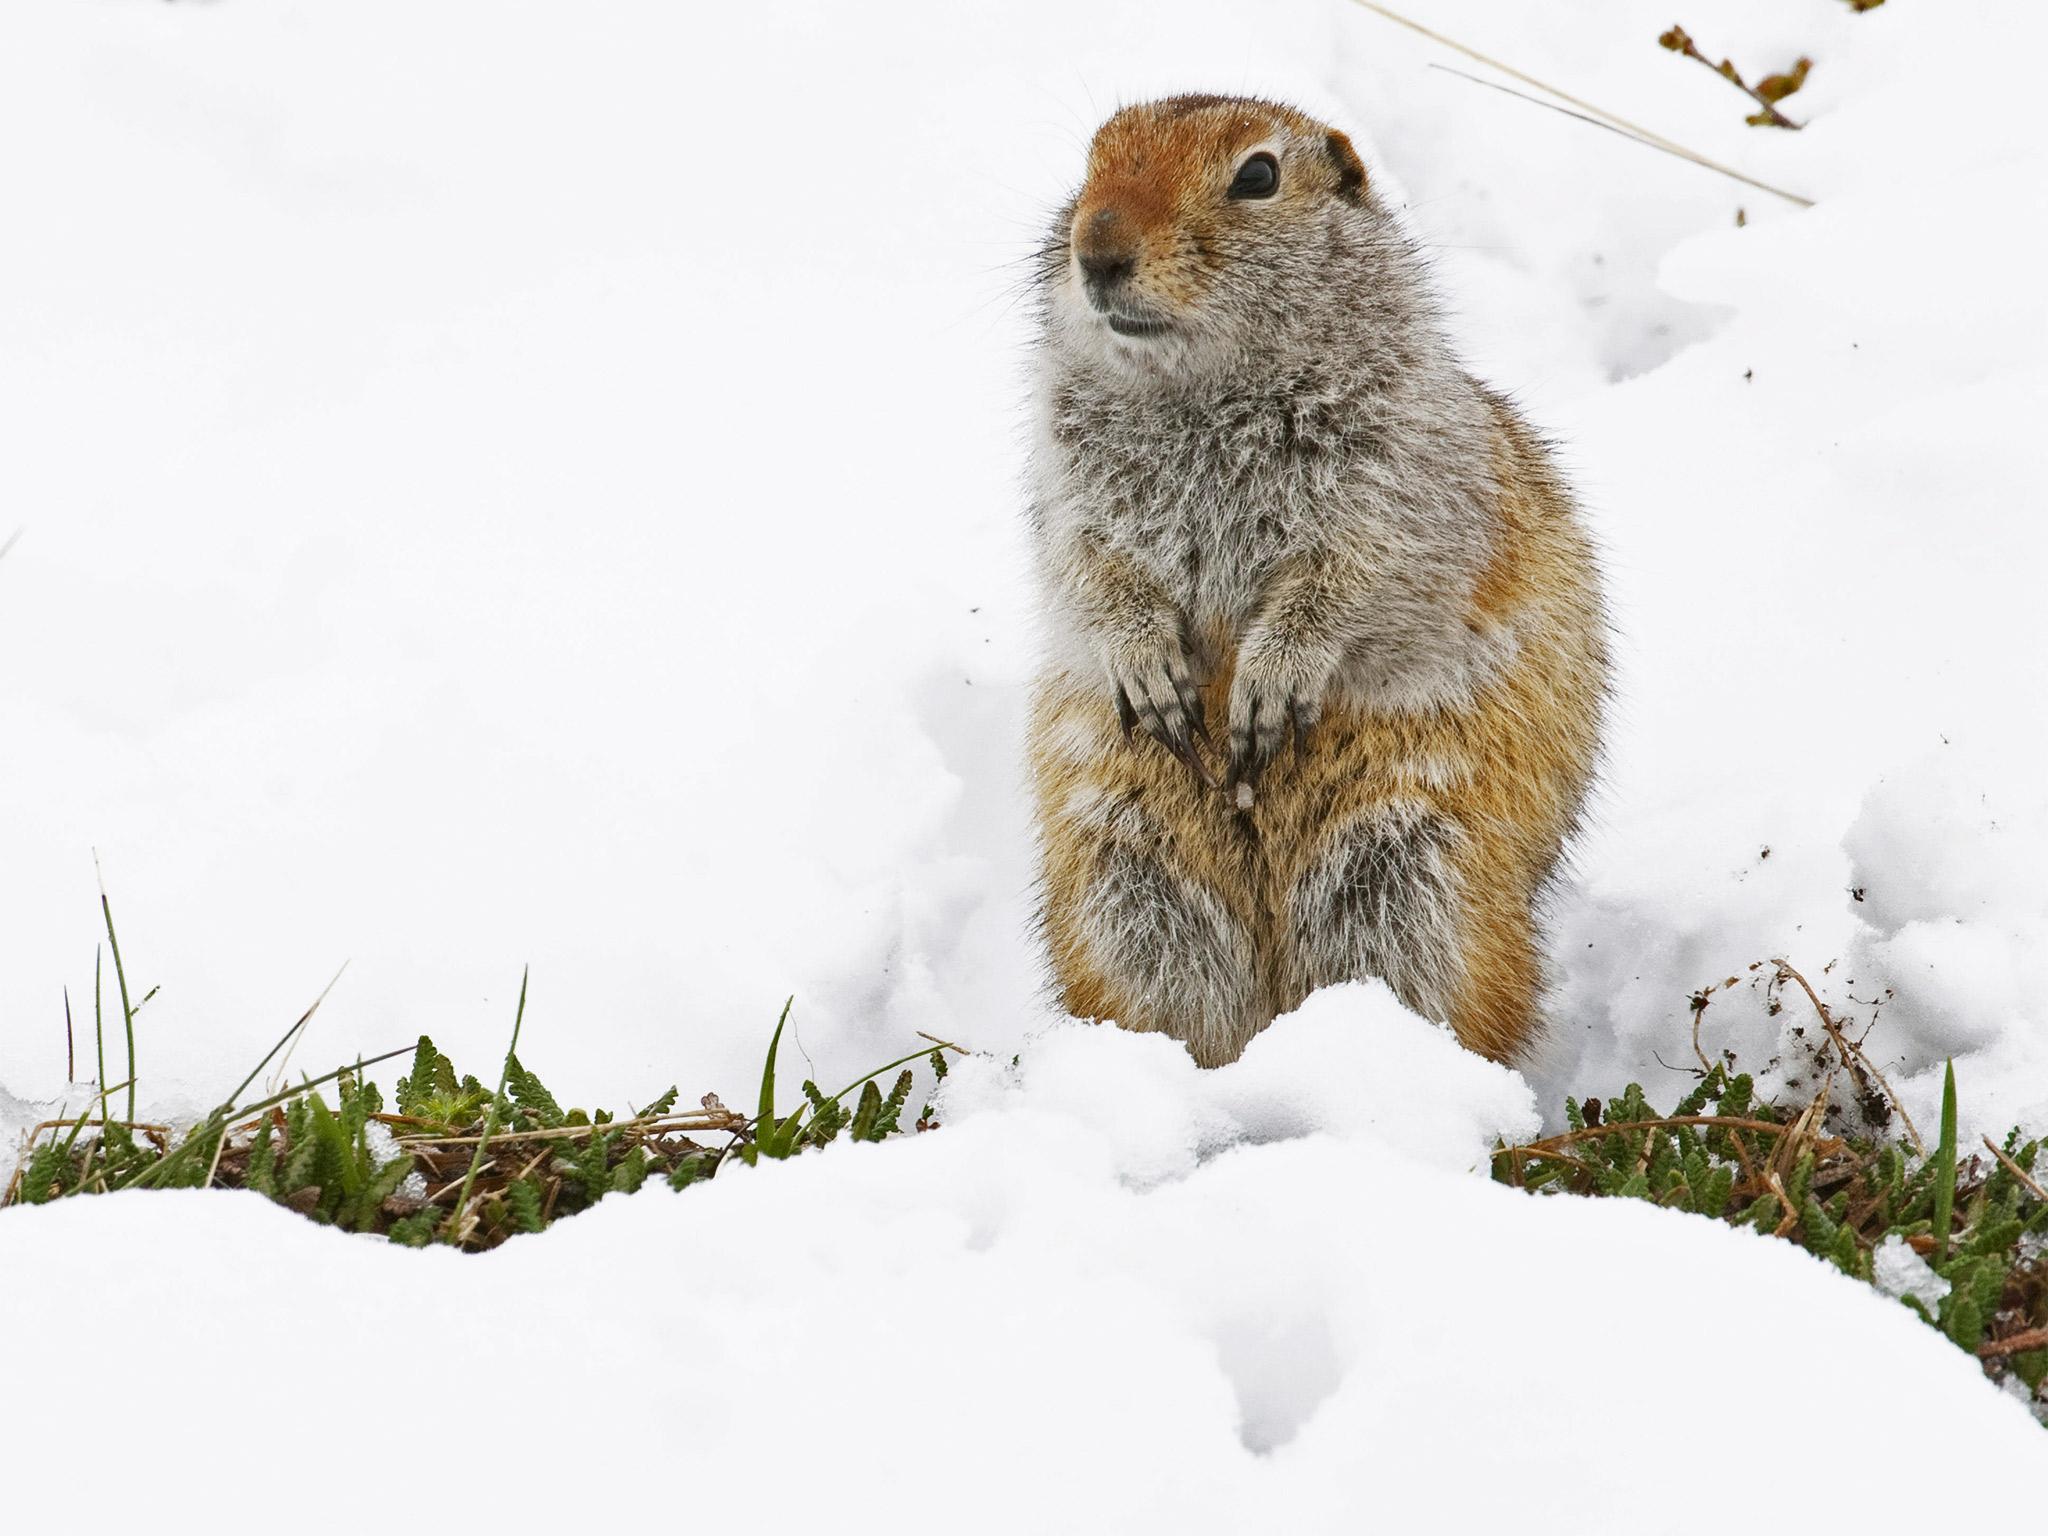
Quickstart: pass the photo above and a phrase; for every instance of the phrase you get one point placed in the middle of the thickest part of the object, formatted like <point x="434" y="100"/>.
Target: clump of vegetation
<point x="451" y="1160"/>
<point x="1766" y="93"/>
<point x="1962" y="1241"/>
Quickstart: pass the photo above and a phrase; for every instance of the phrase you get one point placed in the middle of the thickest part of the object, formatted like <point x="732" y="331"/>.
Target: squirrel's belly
<point x="1417" y="675"/>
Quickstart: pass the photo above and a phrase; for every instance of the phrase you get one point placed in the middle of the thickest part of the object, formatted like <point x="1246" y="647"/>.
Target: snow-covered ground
<point x="513" y="483"/>
<point x="1116" y="1295"/>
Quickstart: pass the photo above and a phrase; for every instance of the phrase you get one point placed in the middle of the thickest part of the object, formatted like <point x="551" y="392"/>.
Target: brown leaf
<point x="1778" y="87"/>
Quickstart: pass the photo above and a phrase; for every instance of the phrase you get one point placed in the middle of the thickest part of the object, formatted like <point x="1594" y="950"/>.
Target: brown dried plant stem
<point x="1680" y="42"/>
<point x="1620" y="1127"/>
<point x="1787" y="1156"/>
<point x="1851" y="1050"/>
<point x="2016" y="1170"/>
<point x="1621" y="124"/>
<point x="148" y="1127"/>
<point x="703" y="1121"/>
<point x="1699" y="1012"/>
<point x="2018" y="1343"/>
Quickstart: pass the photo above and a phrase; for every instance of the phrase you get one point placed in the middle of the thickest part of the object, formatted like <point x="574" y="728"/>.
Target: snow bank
<point x="1826" y="528"/>
<point x="1112" y="1293"/>
<point x="1809" y="446"/>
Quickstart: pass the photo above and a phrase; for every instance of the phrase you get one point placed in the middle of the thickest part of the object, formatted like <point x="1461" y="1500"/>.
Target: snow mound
<point x="1350" y="1061"/>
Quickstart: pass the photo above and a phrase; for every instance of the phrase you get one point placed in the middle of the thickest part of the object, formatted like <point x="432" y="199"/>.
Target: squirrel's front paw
<point x="1267" y="702"/>
<point x="1158" y="694"/>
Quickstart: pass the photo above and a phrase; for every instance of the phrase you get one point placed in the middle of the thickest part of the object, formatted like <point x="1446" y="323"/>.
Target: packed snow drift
<point x="1114" y="1293"/>
<point x="529" y="484"/>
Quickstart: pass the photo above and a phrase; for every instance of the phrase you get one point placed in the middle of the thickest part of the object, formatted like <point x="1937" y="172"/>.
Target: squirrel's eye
<point x="1257" y="177"/>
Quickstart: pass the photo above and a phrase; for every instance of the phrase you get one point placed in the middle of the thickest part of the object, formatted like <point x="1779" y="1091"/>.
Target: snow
<point x="1343" y="1065"/>
<point x="1113" y="1293"/>
<point x="1900" y="1272"/>
<point x="524" y="484"/>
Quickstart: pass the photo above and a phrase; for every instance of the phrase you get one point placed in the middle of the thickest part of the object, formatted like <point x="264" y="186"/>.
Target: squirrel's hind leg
<point x="1405" y="892"/>
<point x="1135" y="890"/>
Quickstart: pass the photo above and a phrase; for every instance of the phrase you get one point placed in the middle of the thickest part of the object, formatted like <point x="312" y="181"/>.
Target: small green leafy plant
<point x="820" y="1119"/>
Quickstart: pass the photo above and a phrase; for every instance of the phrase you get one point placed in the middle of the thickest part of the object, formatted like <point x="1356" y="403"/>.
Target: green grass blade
<point x="453" y="1231"/>
<point x="127" y="1009"/>
<point x="766" y="1116"/>
<point x="1945" y="1164"/>
<point x="314" y="1082"/>
<point x="99" y="1028"/>
<point x="282" y="1040"/>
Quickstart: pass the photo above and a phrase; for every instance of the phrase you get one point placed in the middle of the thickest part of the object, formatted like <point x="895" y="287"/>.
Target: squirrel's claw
<point x="1175" y="729"/>
<point x="1255" y="741"/>
<point x="1172" y="716"/>
<point x="1190" y="755"/>
<point x="1303" y="719"/>
<point x="1195" y="714"/>
<point x="1260" y="728"/>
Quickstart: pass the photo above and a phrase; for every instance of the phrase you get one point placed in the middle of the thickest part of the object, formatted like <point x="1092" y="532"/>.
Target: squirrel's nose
<point x="1102" y="272"/>
<point x="1105" y="252"/>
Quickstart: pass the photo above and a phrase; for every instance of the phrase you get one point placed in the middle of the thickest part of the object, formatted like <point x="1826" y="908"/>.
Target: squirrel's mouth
<point x="1133" y="325"/>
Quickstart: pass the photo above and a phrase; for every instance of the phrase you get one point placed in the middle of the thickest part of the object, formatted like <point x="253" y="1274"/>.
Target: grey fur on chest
<point x="1213" y="495"/>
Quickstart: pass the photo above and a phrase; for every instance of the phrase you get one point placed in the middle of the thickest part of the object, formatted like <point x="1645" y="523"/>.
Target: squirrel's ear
<point x="1350" y="169"/>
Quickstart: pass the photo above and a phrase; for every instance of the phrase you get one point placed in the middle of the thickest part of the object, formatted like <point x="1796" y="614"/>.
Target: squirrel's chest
<point x="1197" y="517"/>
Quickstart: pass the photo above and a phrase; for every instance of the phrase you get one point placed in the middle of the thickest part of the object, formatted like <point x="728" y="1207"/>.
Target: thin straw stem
<point x="1620" y="124"/>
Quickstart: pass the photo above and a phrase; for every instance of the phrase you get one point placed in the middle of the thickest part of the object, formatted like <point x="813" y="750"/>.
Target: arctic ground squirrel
<point x="1326" y="652"/>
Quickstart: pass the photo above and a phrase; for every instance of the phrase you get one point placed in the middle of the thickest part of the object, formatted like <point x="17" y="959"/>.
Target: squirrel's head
<point x="1202" y="222"/>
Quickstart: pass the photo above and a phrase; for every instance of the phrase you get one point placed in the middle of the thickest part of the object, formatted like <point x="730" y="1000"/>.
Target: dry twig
<point x="1730" y="1122"/>
<point x="2016" y="1170"/>
<point x="1766" y="93"/>
<point x="697" y="1120"/>
<point x="2033" y="1338"/>
<point x="1850" y="1049"/>
<point x="1621" y="124"/>
<point x="1699" y="1012"/>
